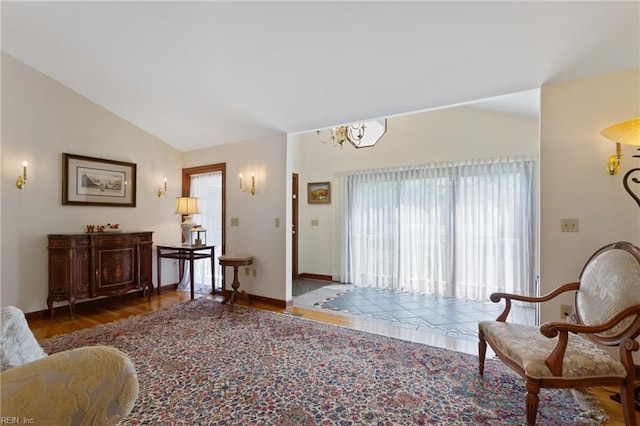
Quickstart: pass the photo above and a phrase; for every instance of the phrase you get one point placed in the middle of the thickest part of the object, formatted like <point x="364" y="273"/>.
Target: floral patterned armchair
<point x="569" y="354"/>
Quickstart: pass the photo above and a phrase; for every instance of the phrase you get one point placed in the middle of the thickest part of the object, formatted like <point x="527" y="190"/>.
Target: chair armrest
<point x="496" y="297"/>
<point x="553" y="329"/>
<point x="88" y="385"/>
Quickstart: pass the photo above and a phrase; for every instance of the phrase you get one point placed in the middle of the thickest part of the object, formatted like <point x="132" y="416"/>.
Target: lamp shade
<point x="187" y="205"/>
<point x="626" y="133"/>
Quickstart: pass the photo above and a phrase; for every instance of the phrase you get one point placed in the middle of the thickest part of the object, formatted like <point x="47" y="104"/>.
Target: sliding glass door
<point x="458" y="230"/>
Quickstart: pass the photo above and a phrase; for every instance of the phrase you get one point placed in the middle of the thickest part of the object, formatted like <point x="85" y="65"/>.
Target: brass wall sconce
<point x="22" y="179"/>
<point x="613" y="165"/>
<point x="162" y="191"/>
<point x="251" y="189"/>
<point x="625" y="133"/>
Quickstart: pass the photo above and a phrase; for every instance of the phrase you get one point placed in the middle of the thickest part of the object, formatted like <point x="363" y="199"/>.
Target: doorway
<point x="208" y="184"/>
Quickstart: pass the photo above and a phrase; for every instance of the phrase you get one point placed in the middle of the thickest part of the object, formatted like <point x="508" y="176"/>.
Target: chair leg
<point x="482" y="351"/>
<point x="627" y="399"/>
<point x="532" y="403"/>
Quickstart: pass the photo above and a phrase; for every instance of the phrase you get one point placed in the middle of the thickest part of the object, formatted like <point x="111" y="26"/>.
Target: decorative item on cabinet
<point x="115" y="227"/>
<point x="83" y="266"/>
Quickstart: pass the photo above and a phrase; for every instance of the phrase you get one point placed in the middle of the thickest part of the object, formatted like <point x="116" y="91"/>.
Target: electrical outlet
<point x="254" y="272"/>
<point x="247" y="270"/>
<point x="566" y="311"/>
<point x="569" y="225"/>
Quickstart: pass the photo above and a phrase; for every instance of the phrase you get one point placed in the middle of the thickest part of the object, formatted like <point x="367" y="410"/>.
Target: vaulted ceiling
<point x="199" y="74"/>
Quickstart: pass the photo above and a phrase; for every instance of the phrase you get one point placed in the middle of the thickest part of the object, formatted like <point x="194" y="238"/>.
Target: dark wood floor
<point x="109" y="310"/>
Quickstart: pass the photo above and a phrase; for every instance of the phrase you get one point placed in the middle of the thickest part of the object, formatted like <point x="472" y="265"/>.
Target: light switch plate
<point x="235" y="221"/>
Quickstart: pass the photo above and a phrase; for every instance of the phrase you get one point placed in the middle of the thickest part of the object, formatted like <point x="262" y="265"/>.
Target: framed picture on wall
<point x="319" y="192"/>
<point x="88" y="181"/>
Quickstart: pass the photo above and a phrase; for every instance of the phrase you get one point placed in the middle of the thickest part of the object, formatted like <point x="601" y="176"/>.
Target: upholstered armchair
<point x="571" y="354"/>
<point x="93" y="385"/>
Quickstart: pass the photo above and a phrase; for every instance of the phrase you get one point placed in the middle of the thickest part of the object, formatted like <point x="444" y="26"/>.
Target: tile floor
<point x="456" y="318"/>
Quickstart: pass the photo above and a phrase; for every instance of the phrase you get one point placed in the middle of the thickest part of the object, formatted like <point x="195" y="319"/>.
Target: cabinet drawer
<point x="62" y="242"/>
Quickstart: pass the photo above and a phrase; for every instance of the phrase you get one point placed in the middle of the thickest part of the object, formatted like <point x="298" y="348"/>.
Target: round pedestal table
<point x="234" y="260"/>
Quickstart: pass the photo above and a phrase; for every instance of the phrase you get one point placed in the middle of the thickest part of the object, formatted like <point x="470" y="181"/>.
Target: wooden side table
<point x="235" y="260"/>
<point x="189" y="253"/>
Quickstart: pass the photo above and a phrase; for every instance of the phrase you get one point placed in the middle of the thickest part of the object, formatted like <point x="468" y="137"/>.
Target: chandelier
<point x="360" y="135"/>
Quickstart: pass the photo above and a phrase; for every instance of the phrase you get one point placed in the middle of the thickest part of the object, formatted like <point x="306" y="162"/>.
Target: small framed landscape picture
<point x="97" y="182"/>
<point x="319" y="192"/>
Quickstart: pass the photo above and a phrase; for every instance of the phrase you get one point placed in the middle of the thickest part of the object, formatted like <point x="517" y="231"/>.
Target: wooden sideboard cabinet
<point x="85" y="266"/>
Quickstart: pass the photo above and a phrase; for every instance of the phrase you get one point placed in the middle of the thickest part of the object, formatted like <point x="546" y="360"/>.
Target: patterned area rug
<point x="199" y="363"/>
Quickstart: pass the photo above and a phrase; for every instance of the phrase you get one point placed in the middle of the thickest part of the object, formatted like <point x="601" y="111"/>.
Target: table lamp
<point x="186" y="206"/>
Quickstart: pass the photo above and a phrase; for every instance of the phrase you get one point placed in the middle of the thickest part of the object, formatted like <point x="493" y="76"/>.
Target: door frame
<point x="186" y="191"/>
<point x="294" y="226"/>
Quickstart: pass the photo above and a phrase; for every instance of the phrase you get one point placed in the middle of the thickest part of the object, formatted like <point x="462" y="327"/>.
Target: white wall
<point x="41" y="119"/>
<point x="257" y="234"/>
<point x="444" y="135"/>
<point x="574" y="183"/>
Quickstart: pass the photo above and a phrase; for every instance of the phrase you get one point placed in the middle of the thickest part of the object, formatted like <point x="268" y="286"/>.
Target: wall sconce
<point x="162" y="191"/>
<point x="625" y="133"/>
<point x="22" y="179"/>
<point x="252" y="188"/>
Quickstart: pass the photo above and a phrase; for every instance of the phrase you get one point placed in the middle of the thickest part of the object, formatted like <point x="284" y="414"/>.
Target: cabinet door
<point x="82" y="270"/>
<point x="59" y="274"/>
<point x="115" y="262"/>
<point x="69" y="268"/>
<point x="116" y="269"/>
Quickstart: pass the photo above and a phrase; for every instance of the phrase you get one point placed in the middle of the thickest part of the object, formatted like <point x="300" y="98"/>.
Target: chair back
<point x="610" y="283"/>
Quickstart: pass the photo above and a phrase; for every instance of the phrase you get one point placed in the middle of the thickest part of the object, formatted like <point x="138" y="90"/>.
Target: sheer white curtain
<point x="460" y="230"/>
<point x="494" y="229"/>
<point x="208" y="188"/>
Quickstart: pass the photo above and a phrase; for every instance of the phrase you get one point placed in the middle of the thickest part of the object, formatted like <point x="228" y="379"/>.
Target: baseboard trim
<point x="280" y="304"/>
<point x="318" y="277"/>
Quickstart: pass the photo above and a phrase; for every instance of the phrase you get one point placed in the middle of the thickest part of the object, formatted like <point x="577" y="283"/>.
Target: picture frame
<point x="319" y="192"/>
<point x="89" y="181"/>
